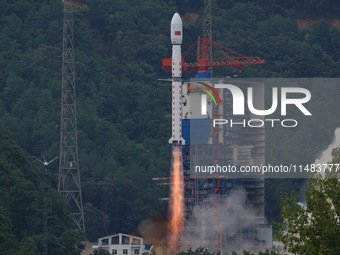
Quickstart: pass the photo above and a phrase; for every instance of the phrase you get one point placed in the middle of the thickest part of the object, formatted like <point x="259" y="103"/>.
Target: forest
<point x="123" y="110"/>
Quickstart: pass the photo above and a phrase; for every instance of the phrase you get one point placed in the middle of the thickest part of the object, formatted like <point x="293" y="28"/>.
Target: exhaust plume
<point x="176" y="204"/>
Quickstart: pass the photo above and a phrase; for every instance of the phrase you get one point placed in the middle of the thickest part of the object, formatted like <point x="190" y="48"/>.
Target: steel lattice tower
<point x="207" y="25"/>
<point x="69" y="185"/>
<point x="207" y="29"/>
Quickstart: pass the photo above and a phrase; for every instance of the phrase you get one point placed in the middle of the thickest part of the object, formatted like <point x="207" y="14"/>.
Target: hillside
<point x="21" y="207"/>
<point x="122" y="108"/>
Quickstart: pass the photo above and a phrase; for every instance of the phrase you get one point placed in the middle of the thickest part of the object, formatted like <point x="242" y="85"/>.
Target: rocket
<point x="176" y="41"/>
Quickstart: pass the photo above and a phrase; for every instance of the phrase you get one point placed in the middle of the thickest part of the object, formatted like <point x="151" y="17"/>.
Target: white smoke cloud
<point x="226" y="219"/>
<point x="326" y="155"/>
<point x="323" y="158"/>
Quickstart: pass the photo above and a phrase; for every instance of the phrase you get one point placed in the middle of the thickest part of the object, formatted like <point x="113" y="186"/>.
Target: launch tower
<point x="225" y="145"/>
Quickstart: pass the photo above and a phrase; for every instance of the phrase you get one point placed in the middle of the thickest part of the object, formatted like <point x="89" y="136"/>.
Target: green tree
<point x="203" y="251"/>
<point x="315" y="227"/>
<point x="6" y="236"/>
<point x="21" y="208"/>
<point x="96" y="222"/>
<point x="101" y="251"/>
<point x="198" y="251"/>
<point x="72" y="242"/>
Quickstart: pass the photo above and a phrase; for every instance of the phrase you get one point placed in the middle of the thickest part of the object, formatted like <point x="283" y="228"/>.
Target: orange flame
<point x="176" y="206"/>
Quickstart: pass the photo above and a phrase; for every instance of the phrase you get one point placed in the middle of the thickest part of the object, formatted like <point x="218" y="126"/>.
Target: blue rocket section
<point x="196" y="131"/>
<point x="203" y="75"/>
<point x="186" y="130"/>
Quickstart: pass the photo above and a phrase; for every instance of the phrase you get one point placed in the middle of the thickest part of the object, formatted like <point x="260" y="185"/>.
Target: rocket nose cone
<point x="176" y="29"/>
<point x="176" y="19"/>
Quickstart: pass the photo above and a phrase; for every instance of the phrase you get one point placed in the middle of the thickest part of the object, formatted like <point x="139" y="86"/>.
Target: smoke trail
<point x="176" y="205"/>
<point x="154" y="231"/>
<point x="227" y="219"/>
<point x="326" y="155"/>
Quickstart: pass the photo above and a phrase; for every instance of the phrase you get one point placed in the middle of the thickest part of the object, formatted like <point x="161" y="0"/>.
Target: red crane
<point x="205" y="62"/>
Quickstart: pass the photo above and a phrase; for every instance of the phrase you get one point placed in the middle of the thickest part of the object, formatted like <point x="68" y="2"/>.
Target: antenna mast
<point x="46" y="188"/>
<point x="69" y="185"/>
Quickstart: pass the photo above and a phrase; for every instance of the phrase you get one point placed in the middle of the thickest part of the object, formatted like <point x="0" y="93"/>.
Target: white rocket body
<point x="176" y="41"/>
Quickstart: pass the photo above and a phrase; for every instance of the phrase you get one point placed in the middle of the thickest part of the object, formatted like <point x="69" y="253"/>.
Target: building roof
<point x="122" y="235"/>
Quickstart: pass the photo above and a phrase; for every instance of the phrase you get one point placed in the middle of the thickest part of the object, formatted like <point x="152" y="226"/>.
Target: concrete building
<point x="123" y="244"/>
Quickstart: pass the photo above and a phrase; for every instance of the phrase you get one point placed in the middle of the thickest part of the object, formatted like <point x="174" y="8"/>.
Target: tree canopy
<point x="313" y="227"/>
<point x="21" y="207"/>
<point x="202" y="251"/>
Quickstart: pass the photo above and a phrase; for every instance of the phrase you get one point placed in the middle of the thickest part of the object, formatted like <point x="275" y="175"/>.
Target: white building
<point x="122" y="244"/>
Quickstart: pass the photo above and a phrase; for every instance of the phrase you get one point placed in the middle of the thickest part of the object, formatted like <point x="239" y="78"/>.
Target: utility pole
<point x="46" y="188"/>
<point x="69" y="185"/>
<point x="45" y="243"/>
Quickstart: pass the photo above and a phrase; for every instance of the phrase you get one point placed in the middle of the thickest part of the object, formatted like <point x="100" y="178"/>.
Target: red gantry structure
<point x="204" y="60"/>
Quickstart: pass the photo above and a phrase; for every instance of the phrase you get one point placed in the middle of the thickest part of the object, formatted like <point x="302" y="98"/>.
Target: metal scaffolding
<point x="235" y="146"/>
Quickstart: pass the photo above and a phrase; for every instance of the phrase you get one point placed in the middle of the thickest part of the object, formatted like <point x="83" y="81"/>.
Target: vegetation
<point x="122" y="109"/>
<point x="202" y="251"/>
<point x="315" y="227"/>
<point x="100" y="251"/>
<point x="21" y="208"/>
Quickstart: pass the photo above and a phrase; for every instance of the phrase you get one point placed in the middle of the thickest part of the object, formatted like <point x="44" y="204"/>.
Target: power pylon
<point x="69" y="185"/>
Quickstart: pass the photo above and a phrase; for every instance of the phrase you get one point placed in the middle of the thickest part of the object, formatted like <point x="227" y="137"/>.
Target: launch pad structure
<point x="225" y="145"/>
<point x="192" y="129"/>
